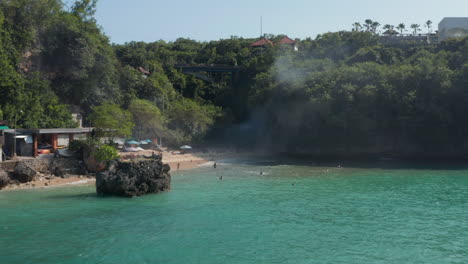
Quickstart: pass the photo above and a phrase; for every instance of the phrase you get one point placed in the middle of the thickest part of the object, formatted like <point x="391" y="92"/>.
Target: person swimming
<point x="214" y="165"/>
<point x="221" y="177"/>
<point x="261" y="172"/>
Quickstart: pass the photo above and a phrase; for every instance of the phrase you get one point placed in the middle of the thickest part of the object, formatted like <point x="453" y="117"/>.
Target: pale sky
<point x="152" y="20"/>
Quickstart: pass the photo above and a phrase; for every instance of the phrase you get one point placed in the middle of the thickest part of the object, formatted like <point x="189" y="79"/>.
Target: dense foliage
<point x="342" y="92"/>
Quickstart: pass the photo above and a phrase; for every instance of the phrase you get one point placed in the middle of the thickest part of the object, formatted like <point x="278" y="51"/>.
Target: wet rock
<point x="131" y="179"/>
<point x="24" y="173"/>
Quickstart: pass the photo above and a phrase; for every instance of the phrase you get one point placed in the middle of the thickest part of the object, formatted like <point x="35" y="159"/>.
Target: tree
<point x="368" y="24"/>
<point x="85" y="9"/>
<point x="416" y="28"/>
<point x="357" y="26"/>
<point x="149" y="121"/>
<point x="374" y="27"/>
<point x="389" y="30"/>
<point x="191" y="118"/>
<point x="428" y="25"/>
<point x="401" y="27"/>
<point x="388" y="26"/>
<point x="111" y="120"/>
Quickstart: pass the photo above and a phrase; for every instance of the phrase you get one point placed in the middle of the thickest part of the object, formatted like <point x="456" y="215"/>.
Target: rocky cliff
<point x="131" y="179"/>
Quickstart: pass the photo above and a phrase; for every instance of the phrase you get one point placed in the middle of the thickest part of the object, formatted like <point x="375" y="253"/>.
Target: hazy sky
<point x="151" y="20"/>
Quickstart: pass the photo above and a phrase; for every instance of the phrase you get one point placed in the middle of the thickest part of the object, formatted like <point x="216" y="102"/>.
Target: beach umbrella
<point x="120" y="142"/>
<point x="186" y="147"/>
<point x="133" y="142"/>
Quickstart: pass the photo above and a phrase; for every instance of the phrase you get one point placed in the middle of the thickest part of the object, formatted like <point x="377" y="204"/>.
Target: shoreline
<point x="176" y="162"/>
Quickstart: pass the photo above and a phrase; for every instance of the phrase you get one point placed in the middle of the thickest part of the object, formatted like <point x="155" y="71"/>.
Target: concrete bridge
<point x="200" y="70"/>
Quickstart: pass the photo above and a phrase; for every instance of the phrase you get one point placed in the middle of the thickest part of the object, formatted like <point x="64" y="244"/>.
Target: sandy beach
<point x="175" y="159"/>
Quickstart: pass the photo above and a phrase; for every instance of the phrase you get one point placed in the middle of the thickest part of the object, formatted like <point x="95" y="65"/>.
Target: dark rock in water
<point x="24" y="173"/>
<point x="4" y="179"/>
<point x="131" y="179"/>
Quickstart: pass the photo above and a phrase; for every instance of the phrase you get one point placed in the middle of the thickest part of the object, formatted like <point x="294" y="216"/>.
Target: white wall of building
<point x="453" y="27"/>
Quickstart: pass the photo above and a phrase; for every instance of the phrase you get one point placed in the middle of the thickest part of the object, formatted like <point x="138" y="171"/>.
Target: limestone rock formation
<point x="131" y="179"/>
<point x="24" y="173"/>
<point x="64" y="168"/>
<point x="4" y="178"/>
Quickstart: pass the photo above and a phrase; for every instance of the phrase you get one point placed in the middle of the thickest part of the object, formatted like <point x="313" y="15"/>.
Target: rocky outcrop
<point x="24" y="173"/>
<point x="131" y="179"/>
<point x="64" y="168"/>
<point x="4" y="178"/>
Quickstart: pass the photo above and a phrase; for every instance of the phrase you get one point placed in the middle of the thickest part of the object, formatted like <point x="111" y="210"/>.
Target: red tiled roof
<point x="261" y="42"/>
<point x="286" y="40"/>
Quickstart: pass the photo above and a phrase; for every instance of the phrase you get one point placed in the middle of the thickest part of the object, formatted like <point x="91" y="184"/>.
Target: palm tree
<point x="368" y="24"/>
<point x="429" y="26"/>
<point x="357" y="26"/>
<point x="401" y="27"/>
<point x="389" y="30"/>
<point x="388" y="27"/>
<point x="374" y="27"/>
<point x="416" y="28"/>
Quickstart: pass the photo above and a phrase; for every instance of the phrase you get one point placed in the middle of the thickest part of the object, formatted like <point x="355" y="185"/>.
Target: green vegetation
<point x="341" y="92"/>
<point x="111" y="120"/>
<point x="106" y="153"/>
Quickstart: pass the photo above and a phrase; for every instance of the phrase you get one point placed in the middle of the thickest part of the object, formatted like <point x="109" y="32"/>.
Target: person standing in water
<point x="214" y="165"/>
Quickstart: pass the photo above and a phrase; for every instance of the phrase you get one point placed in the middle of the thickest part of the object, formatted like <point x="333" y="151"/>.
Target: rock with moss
<point x="134" y="178"/>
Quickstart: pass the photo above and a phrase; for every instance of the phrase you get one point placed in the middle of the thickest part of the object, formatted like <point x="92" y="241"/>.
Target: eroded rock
<point x="4" y="178"/>
<point x="131" y="179"/>
<point x="24" y="173"/>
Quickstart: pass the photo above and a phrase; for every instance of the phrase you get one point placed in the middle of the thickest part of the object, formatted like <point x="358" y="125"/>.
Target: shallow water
<point x="290" y="214"/>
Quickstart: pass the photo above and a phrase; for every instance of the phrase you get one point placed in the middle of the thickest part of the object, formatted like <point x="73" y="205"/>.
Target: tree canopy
<point x="341" y="92"/>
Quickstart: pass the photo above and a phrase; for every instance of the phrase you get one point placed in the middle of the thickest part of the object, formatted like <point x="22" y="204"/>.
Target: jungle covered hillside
<point x="343" y="92"/>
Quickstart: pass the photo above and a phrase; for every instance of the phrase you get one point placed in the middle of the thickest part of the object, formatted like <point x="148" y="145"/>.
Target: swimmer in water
<point x="214" y="165"/>
<point x="261" y="172"/>
<point x="221" y="177"/>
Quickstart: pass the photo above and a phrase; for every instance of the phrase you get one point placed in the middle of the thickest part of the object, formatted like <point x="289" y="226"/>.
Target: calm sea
<point x="288" y="214"/>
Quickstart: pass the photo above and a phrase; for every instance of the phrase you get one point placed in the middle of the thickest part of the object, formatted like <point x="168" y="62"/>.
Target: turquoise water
<point x="290" y="214"/>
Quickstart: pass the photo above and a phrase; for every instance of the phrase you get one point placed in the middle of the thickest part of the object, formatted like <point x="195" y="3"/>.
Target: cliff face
<point x="131" y="179"/>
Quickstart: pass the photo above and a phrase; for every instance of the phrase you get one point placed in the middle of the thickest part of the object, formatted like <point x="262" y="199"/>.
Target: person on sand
<point x="178" y="165"/>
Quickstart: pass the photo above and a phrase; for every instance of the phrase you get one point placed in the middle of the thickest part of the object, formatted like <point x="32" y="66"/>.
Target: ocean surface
<point x="292" y="213"/>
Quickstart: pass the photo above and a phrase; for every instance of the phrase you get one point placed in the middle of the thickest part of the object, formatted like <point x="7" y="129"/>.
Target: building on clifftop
<point x="453" y="27"/>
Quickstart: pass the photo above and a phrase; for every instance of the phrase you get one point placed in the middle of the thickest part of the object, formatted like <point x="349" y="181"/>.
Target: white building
<point x="453" y="27"/>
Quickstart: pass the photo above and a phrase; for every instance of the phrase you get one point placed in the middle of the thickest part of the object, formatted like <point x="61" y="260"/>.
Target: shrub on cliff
<point x="94" y="152"/>
<point x="106" y="153"/>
